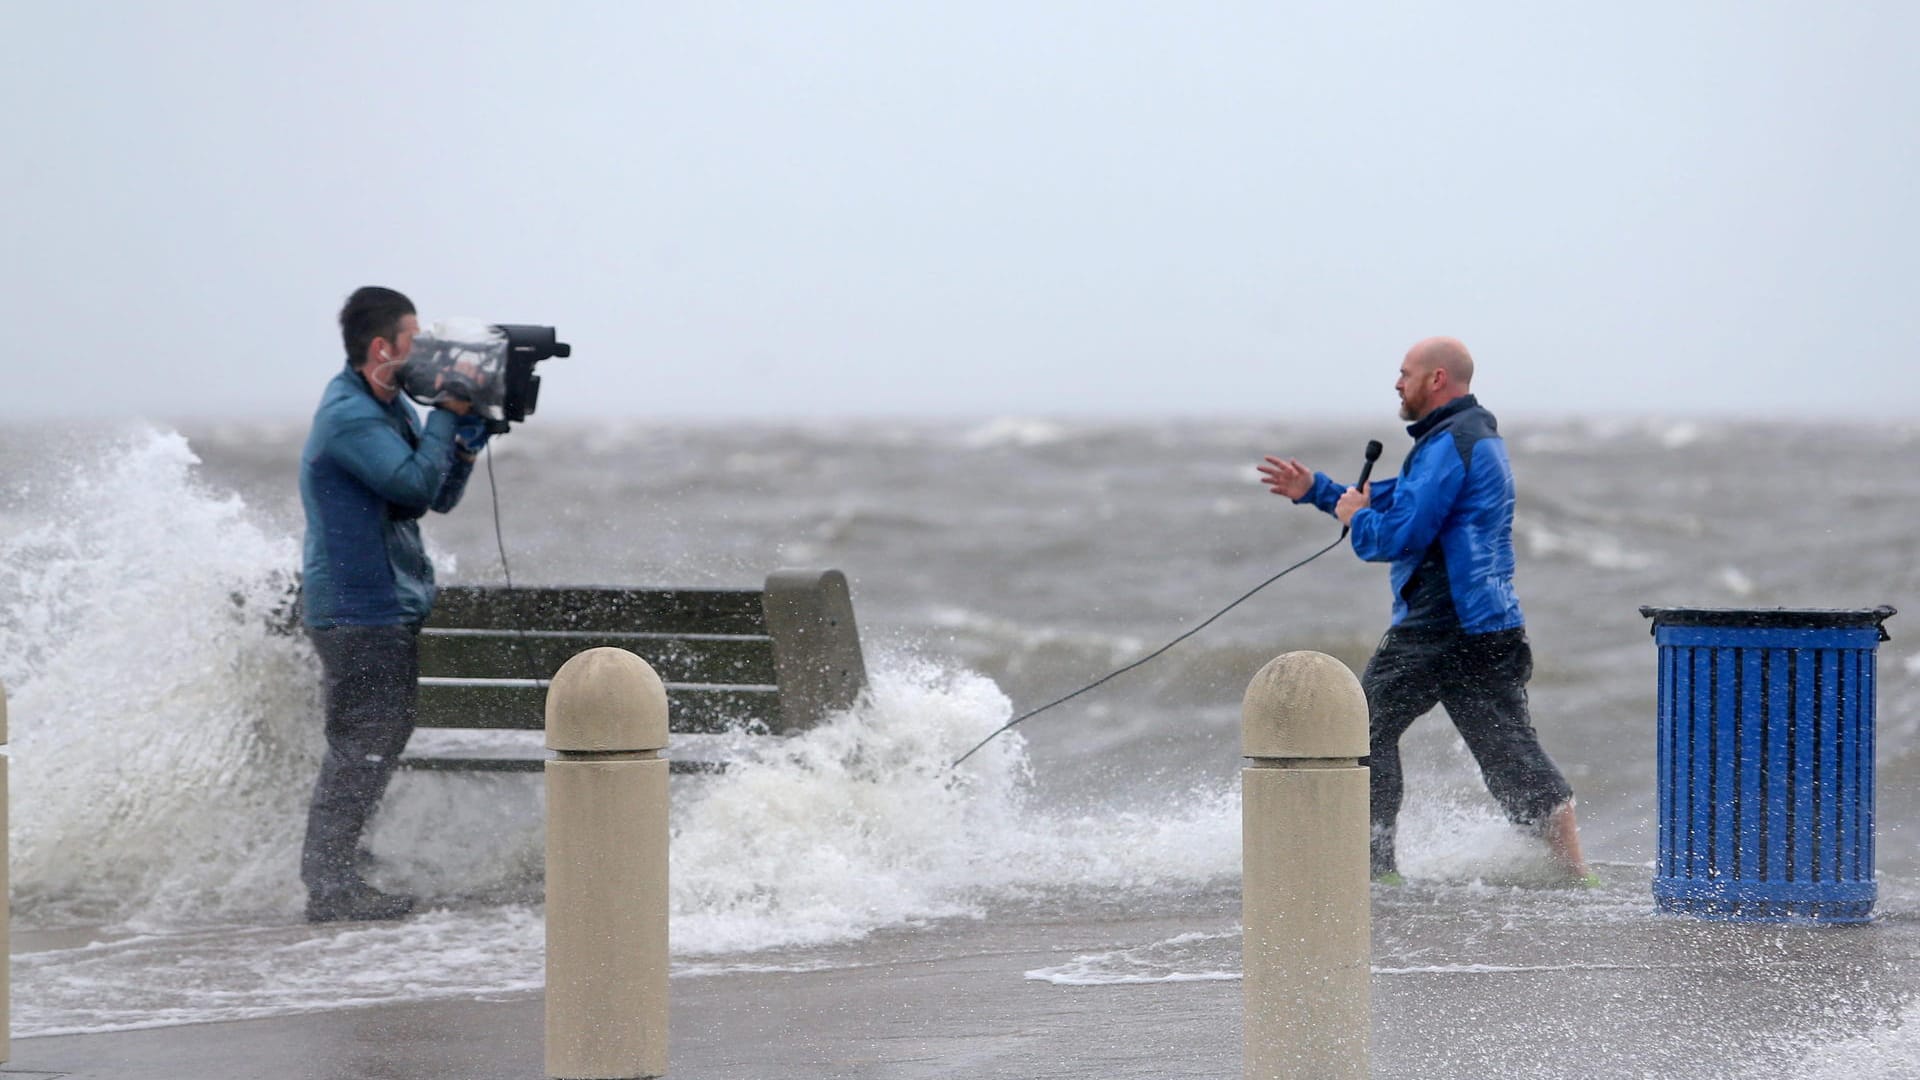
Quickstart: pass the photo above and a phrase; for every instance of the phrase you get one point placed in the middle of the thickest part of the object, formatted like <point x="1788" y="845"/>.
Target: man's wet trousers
<point x="370" y="675"/>
<point x="1482" y="681"/>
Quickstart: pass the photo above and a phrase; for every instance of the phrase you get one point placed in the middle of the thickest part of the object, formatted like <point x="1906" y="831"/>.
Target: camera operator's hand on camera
<point x="470" y="434"/>
<point x="1288" y="477"/>
<point x="460" y="384"/>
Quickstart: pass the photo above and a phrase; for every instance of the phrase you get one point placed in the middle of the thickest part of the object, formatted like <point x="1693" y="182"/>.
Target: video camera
<point x="488" y="365"/>
<point x="526" y="346"/>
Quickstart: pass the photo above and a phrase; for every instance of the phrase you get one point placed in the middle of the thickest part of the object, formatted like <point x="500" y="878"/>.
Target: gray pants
<point x="371" y="675"/>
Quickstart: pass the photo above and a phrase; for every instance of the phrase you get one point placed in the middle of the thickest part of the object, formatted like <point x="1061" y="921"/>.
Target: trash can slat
<point x="1663" y="763"/>
<point x="1766" y="637"/>
<point x="1700" y="786"/>
<point x="1821" y="803"/>
<point x="1800" y="892"/>
<point x="1727" y="765"/>
<point x="1863" y="702"/>
<point x="1774" y="747"/>
<point x="1751" y="795"/>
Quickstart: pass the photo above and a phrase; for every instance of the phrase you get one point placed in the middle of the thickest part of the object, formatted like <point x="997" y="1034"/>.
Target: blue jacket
<point x="1446" y="524"/>
<point x="369" y="470"/>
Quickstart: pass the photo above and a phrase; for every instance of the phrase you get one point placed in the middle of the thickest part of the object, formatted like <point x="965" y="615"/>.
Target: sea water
<point x="166" y="729"/>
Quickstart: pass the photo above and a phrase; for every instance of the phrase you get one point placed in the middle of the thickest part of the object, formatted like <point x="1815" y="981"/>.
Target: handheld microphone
<point x="1373" y="455"/>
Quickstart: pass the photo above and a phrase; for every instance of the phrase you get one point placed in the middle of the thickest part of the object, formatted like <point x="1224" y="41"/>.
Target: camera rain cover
<point x="458" y="358"/>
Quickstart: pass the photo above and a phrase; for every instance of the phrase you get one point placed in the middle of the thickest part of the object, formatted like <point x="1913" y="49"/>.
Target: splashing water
<point x="860" y="824"/>
<point x="1885" y="1053"/>
<point x="854" y="825"/>
<point x="167" y="732"/>
<point x="159" y="722"/>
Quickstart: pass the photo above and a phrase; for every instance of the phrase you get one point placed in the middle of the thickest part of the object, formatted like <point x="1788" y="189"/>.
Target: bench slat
<point x="474" y="764"/>
<point x="521" y="704"/>
<point x="538" y="654"/>
<point x="527" y="765"/>
<point x="708" y="611"/>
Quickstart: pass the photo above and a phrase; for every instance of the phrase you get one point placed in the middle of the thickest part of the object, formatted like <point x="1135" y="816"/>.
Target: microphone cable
<point x="1031" y="713"/>
<point x="513" y="597"/>
<point x="1372" y="455"/>
<point x="499" y="540"/>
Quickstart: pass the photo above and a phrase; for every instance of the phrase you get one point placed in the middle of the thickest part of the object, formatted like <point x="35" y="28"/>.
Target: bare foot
<point x="1563" y="842"/>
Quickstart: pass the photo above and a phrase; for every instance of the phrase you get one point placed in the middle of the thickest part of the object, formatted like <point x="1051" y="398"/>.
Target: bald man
<point x="1458" y="638"/>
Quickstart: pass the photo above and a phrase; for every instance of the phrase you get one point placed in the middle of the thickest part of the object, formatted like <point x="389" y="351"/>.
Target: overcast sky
<point x="973" y="207"/>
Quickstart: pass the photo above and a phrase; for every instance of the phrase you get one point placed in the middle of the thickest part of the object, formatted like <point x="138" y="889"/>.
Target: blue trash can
<point x="1766" y="762"/>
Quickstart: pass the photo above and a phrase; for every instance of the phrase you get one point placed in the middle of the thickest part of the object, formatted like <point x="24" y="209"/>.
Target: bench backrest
<point x="777" y="659"/>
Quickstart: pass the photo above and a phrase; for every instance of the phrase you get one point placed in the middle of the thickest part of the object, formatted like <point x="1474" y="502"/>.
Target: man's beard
<point x="1406" y="410"/>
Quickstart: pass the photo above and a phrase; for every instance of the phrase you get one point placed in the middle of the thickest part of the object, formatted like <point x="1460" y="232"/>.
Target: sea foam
<point x="159" y="721"/>
<point x="167" y="731"/>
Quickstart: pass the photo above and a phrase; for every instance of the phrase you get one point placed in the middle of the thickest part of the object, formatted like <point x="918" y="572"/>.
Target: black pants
<point x="370" y="674"/>
<point x="1482" y="680"/>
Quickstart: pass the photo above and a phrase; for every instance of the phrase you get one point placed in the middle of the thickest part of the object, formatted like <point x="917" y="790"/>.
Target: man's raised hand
<point x="1286" y="477"/>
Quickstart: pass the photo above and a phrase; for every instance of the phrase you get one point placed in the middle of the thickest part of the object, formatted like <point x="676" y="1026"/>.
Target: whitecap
<point x="1597" y="549"/>
<point x="1014" y="431"/>
<point x="1732" y="579"/>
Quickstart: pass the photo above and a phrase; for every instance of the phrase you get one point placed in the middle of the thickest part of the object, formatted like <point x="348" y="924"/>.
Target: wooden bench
<point x="773" y="660"/>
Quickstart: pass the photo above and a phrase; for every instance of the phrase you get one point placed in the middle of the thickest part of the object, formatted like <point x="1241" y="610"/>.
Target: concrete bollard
<point x="606" y="869"/>
<point x="1308" y="937"/>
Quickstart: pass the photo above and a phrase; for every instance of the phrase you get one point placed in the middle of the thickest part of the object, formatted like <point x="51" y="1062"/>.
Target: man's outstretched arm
<point x="1286" y="476"/>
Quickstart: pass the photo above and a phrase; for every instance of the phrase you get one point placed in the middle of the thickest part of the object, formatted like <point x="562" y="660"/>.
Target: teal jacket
<point x="369" y="471"/>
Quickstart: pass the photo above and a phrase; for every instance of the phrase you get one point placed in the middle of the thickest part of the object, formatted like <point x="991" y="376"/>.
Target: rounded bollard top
<point x="1304" y="705"/>
<point x="606" y="700"/>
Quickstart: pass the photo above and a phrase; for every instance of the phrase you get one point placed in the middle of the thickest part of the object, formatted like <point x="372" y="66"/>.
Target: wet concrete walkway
<point x="1468" y="982"/>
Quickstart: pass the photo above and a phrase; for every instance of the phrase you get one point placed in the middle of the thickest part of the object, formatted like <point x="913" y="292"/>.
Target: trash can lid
<point x="1774" y="618"/>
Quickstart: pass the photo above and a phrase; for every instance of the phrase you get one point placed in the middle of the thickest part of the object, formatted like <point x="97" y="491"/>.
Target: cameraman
<point x="370" y="469"/>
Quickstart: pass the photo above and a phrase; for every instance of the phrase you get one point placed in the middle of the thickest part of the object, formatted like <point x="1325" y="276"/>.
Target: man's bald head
<point x="1448" y="355"/>
<point x="1435" y="372"/>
